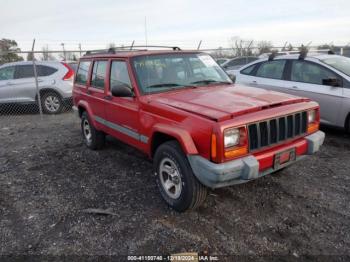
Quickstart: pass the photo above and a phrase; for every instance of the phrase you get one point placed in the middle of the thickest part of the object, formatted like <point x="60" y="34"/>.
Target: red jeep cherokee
<point x="184" y="112"/>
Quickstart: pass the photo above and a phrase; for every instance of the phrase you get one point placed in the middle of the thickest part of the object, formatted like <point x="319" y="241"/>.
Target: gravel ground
<point x="48" y="177"/>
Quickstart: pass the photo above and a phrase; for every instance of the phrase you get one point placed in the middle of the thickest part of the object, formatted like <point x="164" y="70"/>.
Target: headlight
<point x="231" y="137"/>
<point x="311" y="118"/>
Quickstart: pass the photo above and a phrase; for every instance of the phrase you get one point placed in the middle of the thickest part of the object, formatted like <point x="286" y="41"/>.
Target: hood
<point x="221" y="103"/>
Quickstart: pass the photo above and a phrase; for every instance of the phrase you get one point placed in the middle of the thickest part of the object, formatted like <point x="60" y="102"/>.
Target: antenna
<point x="146" y="30"/>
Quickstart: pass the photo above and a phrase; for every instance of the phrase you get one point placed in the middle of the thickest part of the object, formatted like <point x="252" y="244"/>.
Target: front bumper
<point x="244" y="169"/>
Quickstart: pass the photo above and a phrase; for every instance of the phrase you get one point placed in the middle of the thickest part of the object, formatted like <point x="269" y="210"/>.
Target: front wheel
<point x="175" y="179"/>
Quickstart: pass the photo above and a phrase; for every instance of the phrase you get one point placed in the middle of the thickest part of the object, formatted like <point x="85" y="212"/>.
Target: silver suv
<point x="324" y="78"/>
<point x="55" y="79"/>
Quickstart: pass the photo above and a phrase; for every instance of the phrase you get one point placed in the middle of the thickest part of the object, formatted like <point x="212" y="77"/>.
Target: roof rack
<point x="302" y="53"/>
<point x="114" y="50"/>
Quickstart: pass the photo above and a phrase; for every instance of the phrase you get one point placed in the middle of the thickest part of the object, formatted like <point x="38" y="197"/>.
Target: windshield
<point x="159" y="73"/>
<point x="340" y="63"/>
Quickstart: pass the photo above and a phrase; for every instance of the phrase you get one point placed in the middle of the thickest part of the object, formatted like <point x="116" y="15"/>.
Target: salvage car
<point x="182" y="110"/>
<point x="55" y="81"/>
<point x="324" y="78"/>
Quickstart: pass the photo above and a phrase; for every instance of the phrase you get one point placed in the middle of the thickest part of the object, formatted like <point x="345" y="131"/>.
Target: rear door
<point x="24" y="83"/>
<point x="267" y="75"/>
<point x="7" y="84"/>
<point x="307" y="79"/>
<point x="96" y="91"/>
<point x="122" y="113"/>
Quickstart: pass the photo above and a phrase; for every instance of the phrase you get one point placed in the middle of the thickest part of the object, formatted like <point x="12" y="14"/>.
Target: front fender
<point x="181" y="135"/>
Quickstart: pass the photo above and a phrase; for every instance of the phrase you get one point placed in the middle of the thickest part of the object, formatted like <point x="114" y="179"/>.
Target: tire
<point x="93" y="138"/>
<point x="185" y="191"/>
<point x="347" y="124"/>
<point x="51" y="103"/>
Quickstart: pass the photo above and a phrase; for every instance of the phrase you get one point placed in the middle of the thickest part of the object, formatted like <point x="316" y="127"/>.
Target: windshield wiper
<point x="163" y="85"/>
<point x="210" y="81"/>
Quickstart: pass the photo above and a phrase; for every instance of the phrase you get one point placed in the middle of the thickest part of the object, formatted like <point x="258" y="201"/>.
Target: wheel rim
<point x="170" y="178"/>
<point x="52" y="103"/>
<point x="87" y="130"/>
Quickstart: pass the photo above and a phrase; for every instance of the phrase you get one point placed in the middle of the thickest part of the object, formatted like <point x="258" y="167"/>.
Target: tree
<point x="46" y="55"/>
<point x="6" y="46"/>
<point x="30" y="57"/>
<point x="264" y="47"/>
<point x="241" y="47"/>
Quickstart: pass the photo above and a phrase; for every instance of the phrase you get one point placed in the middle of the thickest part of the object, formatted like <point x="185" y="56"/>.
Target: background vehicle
<point x="220" y="61"/>
<point x="55" y="79"/>
<point x="182" y="110"/>
<point x="323" y="78"/>
<point x="238" y="62"/>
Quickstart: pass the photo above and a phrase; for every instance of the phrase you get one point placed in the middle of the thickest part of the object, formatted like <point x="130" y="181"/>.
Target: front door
<point x="308" y="79"/>
<point x="122" y="113"/>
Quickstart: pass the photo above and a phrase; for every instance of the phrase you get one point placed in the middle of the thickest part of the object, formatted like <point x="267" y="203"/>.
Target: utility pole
<point x="80" y="49"/>
<point x="64" y="52"/>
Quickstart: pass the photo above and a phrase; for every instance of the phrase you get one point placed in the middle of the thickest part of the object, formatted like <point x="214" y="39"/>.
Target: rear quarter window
<point x="82" y="72"/>
<point x="45" y="70"/>
<point x="271" y="69"/>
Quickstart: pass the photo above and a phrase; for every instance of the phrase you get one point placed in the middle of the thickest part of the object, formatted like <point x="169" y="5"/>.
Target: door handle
<point x="254" y="82"/>
<point x="9" y="84"/>
<point x="295" y="87"/>
<point x="108" y="98"/>
<point x="89" y="92"/>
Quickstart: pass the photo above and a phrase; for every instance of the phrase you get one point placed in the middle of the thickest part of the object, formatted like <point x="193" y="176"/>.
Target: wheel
<point x="175" y="179"/>
<point x="347" y="124"/>
<point x="93" y="138"/>
<point x="51" y="103"/>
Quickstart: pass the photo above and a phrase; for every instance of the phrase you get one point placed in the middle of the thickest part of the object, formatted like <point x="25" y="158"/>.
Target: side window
<point x="24" y="71"/>
<point x="119" y="74"/>
<point x="236" y="62"/>
<point x="99" y="74"/>
<point x="7" y="73"/>
<point x="82" y="73"/>
<point x="271" y="69"/>
<point x="249" y="70"/>
<point x="306" y="72"/>
<point x="45" y="70"/>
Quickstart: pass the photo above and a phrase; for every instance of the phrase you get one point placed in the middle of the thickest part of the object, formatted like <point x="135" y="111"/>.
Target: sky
<point x="95" y="24"/>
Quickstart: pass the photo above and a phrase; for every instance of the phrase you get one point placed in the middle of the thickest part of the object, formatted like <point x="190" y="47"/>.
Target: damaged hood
<point x="221" y="103"/>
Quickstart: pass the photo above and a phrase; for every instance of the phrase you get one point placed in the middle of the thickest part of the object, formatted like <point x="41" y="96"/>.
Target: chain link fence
<point x="42" y="87"/>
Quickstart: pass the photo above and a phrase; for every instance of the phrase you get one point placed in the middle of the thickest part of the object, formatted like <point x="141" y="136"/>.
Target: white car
<point x="55" y="79"/>
<point x="238" y="62"/>
<point x="324" y="78"/>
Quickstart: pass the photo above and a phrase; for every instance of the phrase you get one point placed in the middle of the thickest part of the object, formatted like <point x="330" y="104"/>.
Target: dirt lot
<point x="48" y="177"/>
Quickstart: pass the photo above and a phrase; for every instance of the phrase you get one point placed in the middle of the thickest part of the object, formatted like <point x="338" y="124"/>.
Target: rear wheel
<point x="175" y="179"/>
<point x="51" y="103"/>
<point x="93" y="138"/>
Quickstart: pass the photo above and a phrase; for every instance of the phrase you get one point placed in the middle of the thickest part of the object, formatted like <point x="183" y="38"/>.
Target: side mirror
<point x="232" y="77"/>
<point x="122" y="90"/>
<point x="335" y="82"/>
